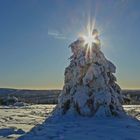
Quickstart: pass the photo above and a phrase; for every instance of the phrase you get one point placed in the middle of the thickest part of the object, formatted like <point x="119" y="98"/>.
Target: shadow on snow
<point x="70" y="127"/>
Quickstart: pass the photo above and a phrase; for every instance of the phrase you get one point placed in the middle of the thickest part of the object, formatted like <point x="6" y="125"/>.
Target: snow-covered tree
<point x="90" y="87"/>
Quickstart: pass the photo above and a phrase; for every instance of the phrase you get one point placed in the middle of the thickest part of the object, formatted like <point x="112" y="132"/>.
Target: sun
<point x="88" y="40"/>
<point x="90" y="36"/>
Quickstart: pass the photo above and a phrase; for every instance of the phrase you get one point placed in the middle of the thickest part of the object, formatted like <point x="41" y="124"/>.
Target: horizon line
<point x="14" y="88"/>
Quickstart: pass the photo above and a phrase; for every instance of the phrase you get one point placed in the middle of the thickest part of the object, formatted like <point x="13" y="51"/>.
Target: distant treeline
<point x="51" y="96"/>
<point x="133" y="95"/>
<point x="32" y="96"/>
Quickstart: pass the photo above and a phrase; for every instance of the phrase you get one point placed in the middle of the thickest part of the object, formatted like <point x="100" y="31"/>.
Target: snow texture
<point x="18" y="120"/>
<point x="32" y="123"/>
<point x="70" y="127"/>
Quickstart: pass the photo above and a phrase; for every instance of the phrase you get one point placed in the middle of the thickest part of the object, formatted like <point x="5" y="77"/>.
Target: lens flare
<point x="90" y="39"/>
<point x="92" y="34"/>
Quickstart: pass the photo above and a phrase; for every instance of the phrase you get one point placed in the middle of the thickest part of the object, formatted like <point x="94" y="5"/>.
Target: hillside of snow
<point x="32" y="123"/>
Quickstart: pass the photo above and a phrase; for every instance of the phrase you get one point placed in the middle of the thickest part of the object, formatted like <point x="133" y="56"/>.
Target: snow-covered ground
<point x="15" y="121"/>
<point x="30" y="123"/>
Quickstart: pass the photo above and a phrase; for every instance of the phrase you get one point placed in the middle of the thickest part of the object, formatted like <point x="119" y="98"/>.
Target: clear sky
<point x="35" y="34"/>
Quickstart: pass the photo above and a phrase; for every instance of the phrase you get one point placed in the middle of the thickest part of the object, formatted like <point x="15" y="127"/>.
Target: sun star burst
<point x="90" y="35"/>
<point x="90" y="38"/>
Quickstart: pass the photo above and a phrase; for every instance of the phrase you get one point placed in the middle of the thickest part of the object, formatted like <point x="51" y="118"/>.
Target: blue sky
<point x="35" y="34"/>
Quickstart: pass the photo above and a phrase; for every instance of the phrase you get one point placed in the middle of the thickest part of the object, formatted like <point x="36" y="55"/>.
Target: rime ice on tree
<point x="90" y="87"/>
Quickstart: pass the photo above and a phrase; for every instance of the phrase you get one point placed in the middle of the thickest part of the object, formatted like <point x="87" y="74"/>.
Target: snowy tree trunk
<point x="90" y="87"/>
